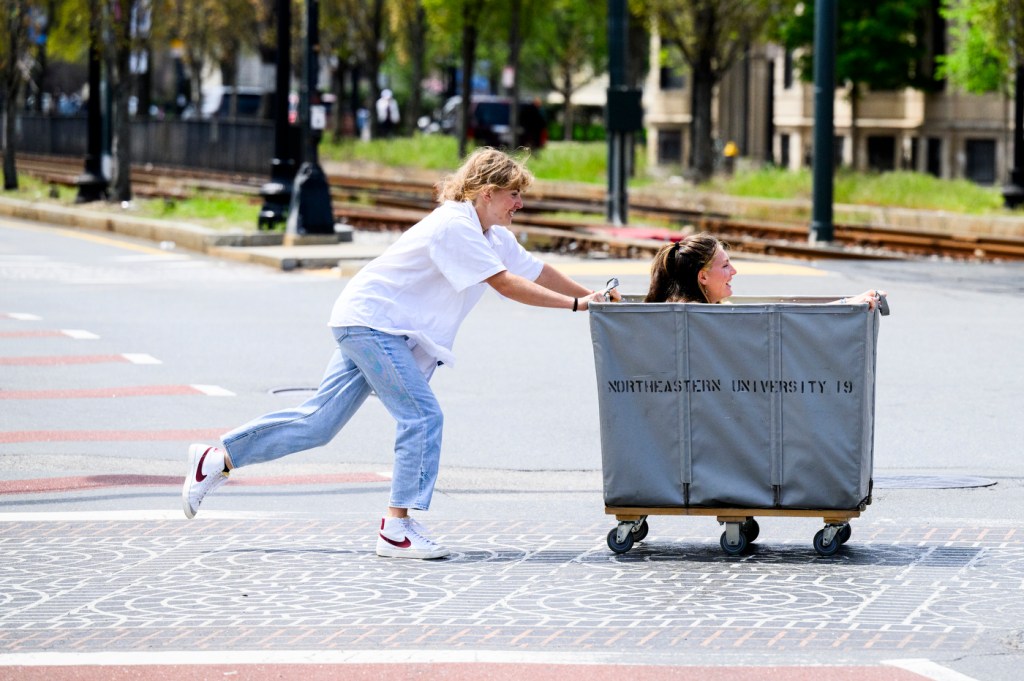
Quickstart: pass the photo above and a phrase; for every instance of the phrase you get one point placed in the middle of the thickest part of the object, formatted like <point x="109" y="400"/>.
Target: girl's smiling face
<point x="499" y="207"/>
<point x="715" y="278"/>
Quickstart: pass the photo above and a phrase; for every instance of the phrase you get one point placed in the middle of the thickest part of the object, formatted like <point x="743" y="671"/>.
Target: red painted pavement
<point x="13" y="436"/>
<point x="130" y="391"/>
<point x="457" y="672"/>
<point x="30" y="334"/>
<point x="57" y="360"/>
<point x="89" y="482"/>
<point x="640" y="233"/>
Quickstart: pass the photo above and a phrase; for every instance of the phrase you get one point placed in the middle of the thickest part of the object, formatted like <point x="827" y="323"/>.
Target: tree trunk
<point x="10" y="114"/>
<point x="144" y="89"/>
<point x="13" y="27"/>
<point x="514" y="43"/>
<point x="854" y="146"/>
<point x="229" y="73"/>
<point x="338" y="88"/>
<point x="469" y="38"/>
<point x="568" y="114"/>
<point x="373" y="52"/>
<point x="701" y="136"/>
<point x="419" y="38"/>
<point x="121" y="182"/>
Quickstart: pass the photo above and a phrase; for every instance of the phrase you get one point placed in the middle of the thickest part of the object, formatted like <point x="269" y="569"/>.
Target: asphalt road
<point x="115" y="354"/>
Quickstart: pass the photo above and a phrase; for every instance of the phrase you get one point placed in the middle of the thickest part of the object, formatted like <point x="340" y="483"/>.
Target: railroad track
<point x="567" y="219"/>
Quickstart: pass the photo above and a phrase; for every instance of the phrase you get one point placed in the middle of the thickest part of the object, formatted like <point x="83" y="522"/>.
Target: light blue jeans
<point x="366" y="360"/>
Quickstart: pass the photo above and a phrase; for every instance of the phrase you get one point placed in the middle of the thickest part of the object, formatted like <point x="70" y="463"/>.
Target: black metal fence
<point x="244" y="146"/>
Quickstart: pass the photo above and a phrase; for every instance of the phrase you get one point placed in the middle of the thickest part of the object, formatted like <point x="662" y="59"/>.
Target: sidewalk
<point x="264" y="248"/>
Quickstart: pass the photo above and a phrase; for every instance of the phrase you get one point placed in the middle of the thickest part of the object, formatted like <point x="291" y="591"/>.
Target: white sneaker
<point x="406" y="538"/>
<point x="205" y="474"/>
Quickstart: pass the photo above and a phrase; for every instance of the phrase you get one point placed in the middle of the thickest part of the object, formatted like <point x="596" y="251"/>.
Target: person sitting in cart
<point x="696" y="269"/>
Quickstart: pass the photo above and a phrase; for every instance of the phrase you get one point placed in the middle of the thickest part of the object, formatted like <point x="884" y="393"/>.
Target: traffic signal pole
<point x="617" y="198"/>
<point x="824" y="125"/>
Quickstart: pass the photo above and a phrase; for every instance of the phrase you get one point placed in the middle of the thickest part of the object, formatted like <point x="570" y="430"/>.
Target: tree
<point x="986" y="48"/>
<point x="464" y="18"/>
<point x="121" y="45"/>
<point x="354" y="32"/>
<point x="878" y="47"/>
<point x="711" y="35"/>
<point x="409" y="25"/>
<point x="568" y="49"/>
<point x="981" y="55"/>
<point x="14" y="71"/>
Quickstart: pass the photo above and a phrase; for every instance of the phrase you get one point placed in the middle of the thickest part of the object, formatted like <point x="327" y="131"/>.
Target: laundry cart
<point x="760" y="407"/>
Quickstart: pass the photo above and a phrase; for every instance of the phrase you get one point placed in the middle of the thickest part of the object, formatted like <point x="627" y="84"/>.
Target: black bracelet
<point x="575" y="304"/>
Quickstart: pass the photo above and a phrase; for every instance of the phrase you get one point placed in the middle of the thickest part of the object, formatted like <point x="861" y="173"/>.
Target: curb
<point x="262" y="248"/>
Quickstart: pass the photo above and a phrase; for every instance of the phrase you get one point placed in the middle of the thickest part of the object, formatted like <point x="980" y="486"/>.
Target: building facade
<point x="764" y="108"/>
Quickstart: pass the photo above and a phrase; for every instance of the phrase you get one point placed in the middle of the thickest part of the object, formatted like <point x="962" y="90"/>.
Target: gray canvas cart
<point x="760" y="407"/>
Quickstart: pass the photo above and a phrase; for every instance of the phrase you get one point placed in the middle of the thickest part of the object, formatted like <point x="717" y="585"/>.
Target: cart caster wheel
<point x="734" y="549"/>
<point x="844" y="534"/>
<point x="620" y="547"/>
<point x="824" y="549"/>
<point x="750" y="529"/>
<point x="640" y="531"/>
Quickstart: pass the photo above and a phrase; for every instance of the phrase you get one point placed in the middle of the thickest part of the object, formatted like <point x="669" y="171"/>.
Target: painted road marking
<point x="212" y="390"/>
<point x="58" y="360"/>
<point x="133" y="515"/>
<point x="194" y="435"/>
<point x="929" y="670"/>
<point x="77" y="334"/>
<point x="21" y="316"/>
<point x="139" y="358"/>
<point x="163" y="257"/>
<point x="126" y="391"/>
<point x="513" y="665"/>
<point x="91" y="482"/>
<point x="117" y="243"/>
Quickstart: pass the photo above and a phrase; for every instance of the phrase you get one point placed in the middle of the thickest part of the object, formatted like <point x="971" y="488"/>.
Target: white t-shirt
<point x="425" y="284"/>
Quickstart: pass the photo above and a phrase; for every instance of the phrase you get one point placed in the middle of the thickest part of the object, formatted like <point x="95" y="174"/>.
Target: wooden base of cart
<point x="741" y="528"/>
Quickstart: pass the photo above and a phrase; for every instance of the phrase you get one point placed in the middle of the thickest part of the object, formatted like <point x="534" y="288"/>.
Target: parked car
<point x="489" y="121"/>
<point x="249" y="102"/>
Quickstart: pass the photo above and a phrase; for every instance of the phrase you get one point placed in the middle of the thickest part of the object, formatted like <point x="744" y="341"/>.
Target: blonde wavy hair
<point x="485" y="167"/>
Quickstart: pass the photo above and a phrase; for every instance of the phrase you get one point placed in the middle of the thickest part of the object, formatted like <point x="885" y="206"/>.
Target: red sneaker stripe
<point x="404" y="544"/>
<point x="199" y="469"/>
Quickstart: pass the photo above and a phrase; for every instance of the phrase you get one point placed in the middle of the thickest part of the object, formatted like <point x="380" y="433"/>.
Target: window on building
<point x="933" y="160"/>
<point x="670" y="78"/>
<point x="784" y="151"/>
<point x="837" y="151"/>
<point x="881" y="152"/>
<point x="671" y="68"/>
<point x="670" y="147"/>
<point x="787" y="70"/>
<point x="981" y="161"/>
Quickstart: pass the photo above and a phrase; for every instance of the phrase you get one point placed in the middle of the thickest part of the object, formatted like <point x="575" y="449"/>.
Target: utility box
<point x="624" y="111"/>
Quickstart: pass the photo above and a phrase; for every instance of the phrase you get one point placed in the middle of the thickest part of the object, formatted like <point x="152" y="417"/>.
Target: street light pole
<point x="824" y="126"/>
<point x="1013" y="193"/>
<point x="92" y="185"/>
<point x="277" y="193"/>
<point x="617" y="200"/>
<point x="311" y="211"/>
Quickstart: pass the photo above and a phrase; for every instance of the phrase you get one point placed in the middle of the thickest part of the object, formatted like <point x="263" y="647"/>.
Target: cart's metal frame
<point x="741" y="526"/>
